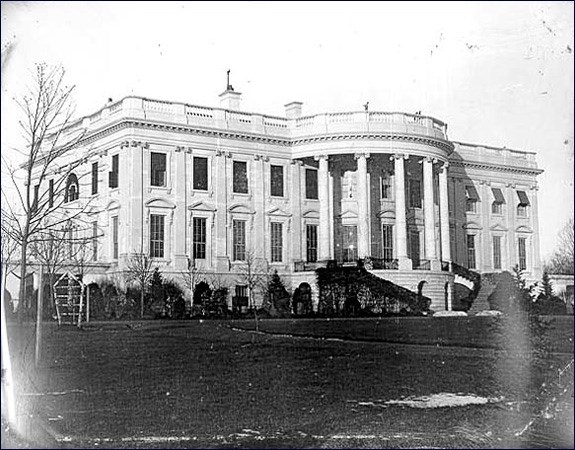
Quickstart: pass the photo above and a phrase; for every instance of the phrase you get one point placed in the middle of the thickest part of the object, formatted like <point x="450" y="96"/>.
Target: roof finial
<point x="229" y="86"/>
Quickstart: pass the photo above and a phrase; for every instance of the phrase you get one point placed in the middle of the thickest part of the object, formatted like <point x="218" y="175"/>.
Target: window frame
<point x="157" y="237"/>
<point x="496" y="252"/>
<point x="155" y="180"/>
<point x="282" y="178"/>
<point x="195" y="185"/>
<point x="199" y="246"/>
<point x="239" y="246"/>
<point x="314" y="186"/>
<point x="236" y="181"/>
<point x="311" y="238"/>
<point x="471" y="251"/>
<point x="94" y="178"/>
<point x="276" y="242"/>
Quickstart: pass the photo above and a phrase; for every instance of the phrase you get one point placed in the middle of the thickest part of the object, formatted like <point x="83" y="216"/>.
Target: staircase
<point x="481" y="302"/>
<point x="470" y="279"/>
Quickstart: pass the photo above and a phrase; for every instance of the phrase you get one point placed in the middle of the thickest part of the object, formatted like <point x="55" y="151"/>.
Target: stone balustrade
<point x="281" y="127"/>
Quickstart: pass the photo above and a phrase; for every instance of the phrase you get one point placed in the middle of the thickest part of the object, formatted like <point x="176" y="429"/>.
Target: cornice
<point x="496" y="168"/>
<point x="245" y="136"/>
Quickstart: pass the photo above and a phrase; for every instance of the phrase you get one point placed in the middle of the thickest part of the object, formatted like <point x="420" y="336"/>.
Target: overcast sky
<point x="498" y="73"/>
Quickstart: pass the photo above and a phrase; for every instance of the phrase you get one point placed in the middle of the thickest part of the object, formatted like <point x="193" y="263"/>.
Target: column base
<point x="435" y="264"/>
<point x="404" y="264"/>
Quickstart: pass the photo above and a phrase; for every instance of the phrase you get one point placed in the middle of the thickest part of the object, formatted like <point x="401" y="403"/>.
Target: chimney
<point x="230" y="99"/>
<point x="293" y="110"/>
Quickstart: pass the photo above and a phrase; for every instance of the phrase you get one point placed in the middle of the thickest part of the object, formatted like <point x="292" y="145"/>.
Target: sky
<point x="499" y="73"/>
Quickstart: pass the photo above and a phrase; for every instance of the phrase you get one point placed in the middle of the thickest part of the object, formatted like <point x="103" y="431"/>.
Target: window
<point x="311" y="243"/>
<point x="387" y="240"/>
<point x="311" y="184"/>
<point x="115" y="237"/>
<point x="523" y="204"/>
<point x="199" y="238"/>
<point x="498" y="201"/>
<point x="277" y="242"/>
<point x="348" y="184"/>
<point x="113" y="176"/>
<point x="414" y="247"/>
<point x="471" y="199"/>
<point x="94" y="241"/>
<point x="415" y="193"/>
<point x="94" y="178"/>
<point x="521" y="242"/>
<point x="240" y="177"/>
<point x="471" y="251"/>
<point x="156" y="236"/>
<point x="386" y="186"/>
<point x="497" y="252"/>
<point x="277" y="181"/>
<point x="239" y="240"/>
<point x="51" y="194"/>
<point x="241" y="290"/>
<point x="349" y="243"/>
<point x="158" y="169"/>
<point x="200" y="173"/>
<point x="72" y="189"/>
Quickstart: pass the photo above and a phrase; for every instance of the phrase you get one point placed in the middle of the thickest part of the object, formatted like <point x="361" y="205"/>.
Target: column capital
<point x="399" y="156"/>
<point x="484" y="182"/>
<point x="321" y="157"/>
<point x="444" y="166"/>
<point x="359" y="155"/>
<point x="224" y="153"/>
<point x="263" y="158"/>
<point x="534" y="187"/>
<point x="298" y="162"/>
<point x="510" y="185"/>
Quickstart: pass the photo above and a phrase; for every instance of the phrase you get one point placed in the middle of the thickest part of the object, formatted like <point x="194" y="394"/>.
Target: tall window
<point x="200" y="173"/>
<point x="277" y="241"/>
<point x="521" y="242"/>
<point x="415" y="193"/>
<point x="498" y="201"/>
<point x="199" y="238"/>
<point x="94" y="241"/>
<point x="311" y="184"/>
<point x="311" y="243"/>
<point x="386" y="185"/>
<point x="51" y="194"/>
<point x="239" y="240"/>
<point x="387" y="240"/>
<point x="113" y="176"/>
<point x="277" y="181"/>
<point x="115" y="237"/>
<point x="471" y="251"/>
<point x="497" y="252"/>
<point x="94" y="178"/>
<point x="523" y="204"/>
<point x="414" y="247"/>
<point x="349" y="243"/>
<point x="471" y="199"/>
<point x="70" y="240"/>
<point x="158" y="169"/>
<point x="72" y="189"/>
<point x="156" y="236"/>
<point x="240" y="182"/>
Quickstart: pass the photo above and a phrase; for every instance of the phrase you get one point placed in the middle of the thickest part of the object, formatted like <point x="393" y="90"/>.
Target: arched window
<point x="72" y="189"/>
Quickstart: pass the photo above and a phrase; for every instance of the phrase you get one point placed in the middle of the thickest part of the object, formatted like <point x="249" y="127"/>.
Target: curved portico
<point x="389" y="161"/>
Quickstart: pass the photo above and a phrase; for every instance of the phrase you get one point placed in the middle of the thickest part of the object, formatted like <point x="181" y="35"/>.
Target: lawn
<point x="211" y="384"/>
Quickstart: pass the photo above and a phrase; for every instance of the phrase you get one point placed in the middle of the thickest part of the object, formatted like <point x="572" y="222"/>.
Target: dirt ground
<point x="209" y="384"/>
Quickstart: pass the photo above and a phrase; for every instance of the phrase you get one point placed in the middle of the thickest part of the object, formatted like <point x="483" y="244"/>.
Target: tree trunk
<point x="22" y="301"/>
<point x="142" y="303"/>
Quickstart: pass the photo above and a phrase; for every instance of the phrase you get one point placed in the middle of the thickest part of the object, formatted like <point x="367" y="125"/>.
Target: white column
<point x="400" y="222"/>
<point x="429" y="216"/>
<point x="444" y="214"/>
<point x="324" y="219"/>
<point x="535" y="268"/>
<point x="362" y="206"/>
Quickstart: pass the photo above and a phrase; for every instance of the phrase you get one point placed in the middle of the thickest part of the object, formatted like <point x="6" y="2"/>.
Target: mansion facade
<point x="212" y="187"/>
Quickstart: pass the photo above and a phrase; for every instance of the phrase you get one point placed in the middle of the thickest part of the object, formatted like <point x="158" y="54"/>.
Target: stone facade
<point x="157" y="177"/>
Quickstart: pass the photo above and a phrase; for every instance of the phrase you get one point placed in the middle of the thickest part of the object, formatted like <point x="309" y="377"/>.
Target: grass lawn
<point x="204" y="384"/>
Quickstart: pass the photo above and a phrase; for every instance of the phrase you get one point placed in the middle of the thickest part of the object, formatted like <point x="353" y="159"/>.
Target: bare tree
<point x="9" y="251"/>
<point x="139" y="269"/>
<point x="253" y="272"/>
<point x="562" y="259"/>
<point x="32" y="198"/>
